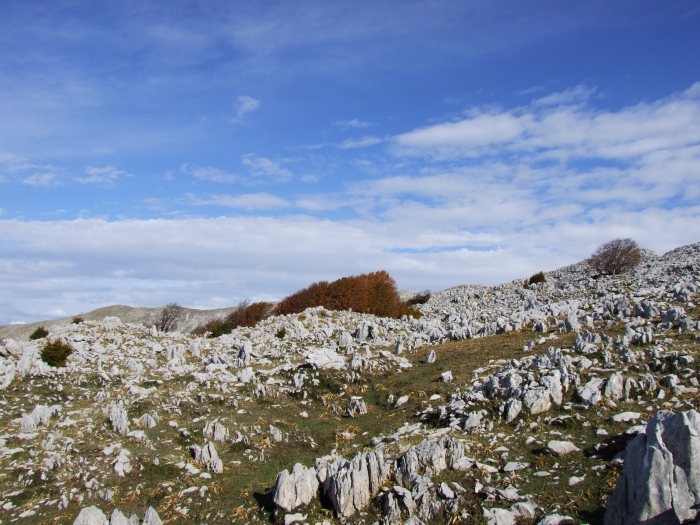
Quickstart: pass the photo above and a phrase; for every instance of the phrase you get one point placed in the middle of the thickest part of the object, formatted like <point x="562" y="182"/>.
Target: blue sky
<point x="207" y="152"/>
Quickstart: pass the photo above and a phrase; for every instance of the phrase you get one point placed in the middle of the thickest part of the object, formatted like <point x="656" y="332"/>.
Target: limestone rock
<point x="661" y="482"/>
<point x="351" y="486"/>
<point x="357" y="407"/>
<point x="151" y="517"/>
<point x="91" y="516"/>
<point x="296" y="488"/>
<point x="559" y="448"/>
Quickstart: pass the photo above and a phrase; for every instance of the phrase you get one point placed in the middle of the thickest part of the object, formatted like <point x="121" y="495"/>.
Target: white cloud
<point x="353" y="123"/>
<point x="578" y="94"/>
<point x="564" y="130"/>
<point x="79" y="265"/>
<point x="105" y="176"/>
<point x="249" y="201"/>
<point x="360" y="143"/>
<point x="264" y="167"/>
<point x="244" y="105"/>
<point x="468" y="137"/>
<point x="41" y="180"/>
<point x="208" y="173"/>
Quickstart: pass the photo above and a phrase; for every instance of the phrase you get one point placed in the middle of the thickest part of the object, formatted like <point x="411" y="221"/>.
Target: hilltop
<point x="504" y="403"/>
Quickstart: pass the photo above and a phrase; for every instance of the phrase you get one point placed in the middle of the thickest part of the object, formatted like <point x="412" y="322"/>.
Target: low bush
<point x="616" y="257"/>
<point x="411" y="311"/>
<point x="78" y="319"/>
<point x="371" y="293"/>
<point x="537" y="278"/>
<point x="55" y="353"/>
<point x="246" y="314"/>
<point x="39" y="333"/>
<point x="420" y="298"/>
<point x="170" y="317"/>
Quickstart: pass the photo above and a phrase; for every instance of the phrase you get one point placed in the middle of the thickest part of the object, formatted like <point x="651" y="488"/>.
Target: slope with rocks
<point x="501" y="405"/>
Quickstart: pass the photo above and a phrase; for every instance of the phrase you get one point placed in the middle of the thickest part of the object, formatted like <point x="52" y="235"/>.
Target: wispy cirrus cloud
<point x="244" y="106"/>
<point x="208" y="173"/>
<point x="248" y="201"/>
<point x="104" y="176"/>
<point x="353" y="123"/>
<point x="267" y="168"/>
<point x="363" y="142"/>
<point x="562" y="128"/>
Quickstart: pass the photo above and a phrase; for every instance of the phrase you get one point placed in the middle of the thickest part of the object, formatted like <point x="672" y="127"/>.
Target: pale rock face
<point x="296" y="488"/>
<point x="151" y="517"/>
<point x="591" y="393"/>
<point x="512" y="410"/>
<point x="119" y="418"/>
<point x="614" y="387"/>
<point x="537" y="400"/>
<point x="499" y="517"/>
<point x="357" y="407"/>
<point x="559" y="448"/>
<point x="91" y="516"/>
<point x="661" y="482"/>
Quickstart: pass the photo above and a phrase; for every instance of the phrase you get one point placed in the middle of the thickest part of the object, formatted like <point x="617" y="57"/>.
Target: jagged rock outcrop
<point x="661" y="482"/>
<point x="296" y="488"/>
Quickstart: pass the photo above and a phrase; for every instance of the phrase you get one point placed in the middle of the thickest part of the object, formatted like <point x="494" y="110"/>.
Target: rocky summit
<point x="571" y="400"/>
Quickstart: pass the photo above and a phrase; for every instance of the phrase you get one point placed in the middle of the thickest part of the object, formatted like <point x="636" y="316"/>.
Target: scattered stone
<point x="559" y="448"/>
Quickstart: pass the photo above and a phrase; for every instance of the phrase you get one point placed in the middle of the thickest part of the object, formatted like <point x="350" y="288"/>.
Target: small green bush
<point x="537" y="278"/>
<point x="39" y="333"/>
<point x="281" y="333"/>
<point x="55" y="353"/>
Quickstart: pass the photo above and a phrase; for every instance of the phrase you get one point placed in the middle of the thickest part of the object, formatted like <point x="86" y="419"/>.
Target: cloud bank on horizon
<point x="203" y="156"/>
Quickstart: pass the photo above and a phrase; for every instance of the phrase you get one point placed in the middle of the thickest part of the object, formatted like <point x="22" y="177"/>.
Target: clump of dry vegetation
<point x="246" y="314"/>
<point x="616" y="257"/>
<point x="371" y="293"/>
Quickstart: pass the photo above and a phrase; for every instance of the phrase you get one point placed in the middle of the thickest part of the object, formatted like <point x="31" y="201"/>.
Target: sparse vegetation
<point x="78" y="319"/>
<point x="55" y="353"/>
<point x="616" y="257"/>
<point x="170" y="317"/>
<point x="39" y="333"/>
<point x="371" y="293"/>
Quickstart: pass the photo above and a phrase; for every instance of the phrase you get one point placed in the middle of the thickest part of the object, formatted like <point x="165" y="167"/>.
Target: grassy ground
<point x="250" y="468"/>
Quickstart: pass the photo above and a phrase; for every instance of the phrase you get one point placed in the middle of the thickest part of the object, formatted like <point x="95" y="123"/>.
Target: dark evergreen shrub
<point x="55" y="353"/>
<point x="39" y="333"/>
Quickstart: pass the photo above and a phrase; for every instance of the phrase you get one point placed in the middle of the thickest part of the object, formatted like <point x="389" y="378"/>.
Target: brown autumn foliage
<point x="246" y="314"/>
<point x="372" y="293"/>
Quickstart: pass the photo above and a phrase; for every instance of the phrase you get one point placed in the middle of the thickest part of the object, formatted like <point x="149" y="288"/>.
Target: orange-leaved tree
<point x="373" y="293"/>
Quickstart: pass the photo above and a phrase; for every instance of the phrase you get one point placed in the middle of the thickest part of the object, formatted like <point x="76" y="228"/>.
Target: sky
<point x="204" y="153"/>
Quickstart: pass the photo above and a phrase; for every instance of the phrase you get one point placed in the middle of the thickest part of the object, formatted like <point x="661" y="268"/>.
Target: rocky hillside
<point x="189" y="320"/>
<point x="505" y="404"/>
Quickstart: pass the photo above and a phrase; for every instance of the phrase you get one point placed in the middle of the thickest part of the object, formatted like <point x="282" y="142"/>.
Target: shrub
<point x="281" y="333"/>
<point x="420" y="298"/>
<point x="39" y="333"/>
<point x="245" y="314"/>
<point x="616" y="257"/>
<point x="78" y="319"/>
<point x="537" y="278"/>
<point x="169" y="317"/>
<point x="411" y="311"/>
<point x="55" y="353"/>
<point x="371" y="293"/>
